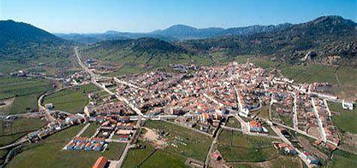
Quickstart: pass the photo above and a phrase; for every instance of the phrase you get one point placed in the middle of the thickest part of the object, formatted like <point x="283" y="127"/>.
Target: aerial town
<point x="201" y="99"/>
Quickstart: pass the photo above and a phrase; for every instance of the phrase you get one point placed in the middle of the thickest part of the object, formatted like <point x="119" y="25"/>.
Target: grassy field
<point x="71" y="100"/>
<point x="49" y="153"/>
<point x="342" y="159"/>
<point x="25" y="90"/>
<point x="89" y="132"/>
<point x="236" y="147"/>
<point x="280" y="162"/>
<point x="233" y="122"/>
<point x="343" y="78"/>
<point x="189" y="145"/>
<point x="346" y="120"/>
<point x="262" y="113"/>
<point x="127" y="69"/>
<point x="149" y="157"/>
<point x="19" y="128"/>
<point x="196" y="147"/>
<point x="2" y="156"/>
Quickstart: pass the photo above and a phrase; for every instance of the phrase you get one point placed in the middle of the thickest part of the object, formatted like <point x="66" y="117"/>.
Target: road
<point x="82" y="65"/>
<point x="95" y="77"/>
<point x="22" y="140"/>
<point x="213" y="100"/>
<point x="327" y="108"/>
<point x="128" y="84"/>
<point x="48" y="115"/>
<point x="319" y="122"/>
<point x="243" y="124"/>
<point x="82" y="130"/>
<point x="282" y="137"/>
<point x="295" y="119"/>
<point x="212" y="147"/>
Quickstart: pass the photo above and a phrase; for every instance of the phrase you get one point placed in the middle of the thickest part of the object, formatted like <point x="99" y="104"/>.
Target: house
<point x="347" y="105"/>
<point x="49" y="106"/>
<point x="311" y="159"/>
<point x="101" y="162"/>
<point x="255" y="126"/>
<point x="216" y="155"/>
<point x="286" y="148"/>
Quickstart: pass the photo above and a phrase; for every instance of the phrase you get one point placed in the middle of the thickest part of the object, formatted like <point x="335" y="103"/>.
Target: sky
<point x="94" y="16"/>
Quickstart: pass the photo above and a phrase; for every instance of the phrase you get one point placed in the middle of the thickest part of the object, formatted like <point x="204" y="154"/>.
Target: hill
<point x="173" y="33"/>
<point x="140" y="54"/>
<point x="24" y="45"/>
<point x="328" y="39"/>
<point x="92" y="38"/>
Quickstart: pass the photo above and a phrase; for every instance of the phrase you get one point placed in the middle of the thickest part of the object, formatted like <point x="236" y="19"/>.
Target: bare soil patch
<point x="153" y="137"/>
<point x="7" y="102"/>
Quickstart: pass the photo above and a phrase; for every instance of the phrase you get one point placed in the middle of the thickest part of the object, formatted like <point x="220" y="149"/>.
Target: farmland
<point x="25" y="91"/>
<point x="346" y="120"/>
<point x="236" y="147"/>
<point x="71" y="100"/>
<point x="182" y="144"/>
<point x="51" y="149"/>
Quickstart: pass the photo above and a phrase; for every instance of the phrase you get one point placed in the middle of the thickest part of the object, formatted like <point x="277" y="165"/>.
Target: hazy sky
<point x="146" y="15"/>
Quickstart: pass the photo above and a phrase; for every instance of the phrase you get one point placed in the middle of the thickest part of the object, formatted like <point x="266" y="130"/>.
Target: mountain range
<point x="173" y="33"/>
<point x="327" y="40"/>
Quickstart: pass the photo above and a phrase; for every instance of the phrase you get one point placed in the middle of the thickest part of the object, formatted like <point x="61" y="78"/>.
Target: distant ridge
<point x="174" y="33"/>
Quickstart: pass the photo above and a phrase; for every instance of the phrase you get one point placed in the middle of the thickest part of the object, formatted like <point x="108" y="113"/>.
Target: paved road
<point x="82" y="130"/>
<point x="128" y="84"/>
<point x="295" y="119"/>
<point x="319" y="122"/>
<point x="282" y="137"/>
<point x="243" y="124"/>
<point x="22" y="140"/>
<point x="213" y="100"/>
<point x="327" y="108"/>
<point x="93" y="80"/>
<point x="215" y="140"/>
<point x="48" y="115"/>
<point x="95" y="77"/>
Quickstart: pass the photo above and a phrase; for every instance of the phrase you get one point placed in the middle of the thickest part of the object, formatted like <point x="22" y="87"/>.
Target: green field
<point x="346" y="120"/>
<point x="262" y="113"/>
<point x="18" y="128"/>
<point x="197" y="145"/>
<point x="279" y="162"/>
<point x="71" y="100"/>
<point x="344" y="78"/>
<point x="189" y="145"/>
<point x="342" y="159"/>
<point x="127" y="69"/>
<point x="149" y="157"/>
<point x="236" y="147"/>
<point x="233" y="122"/>
<point x="49" y="153"/>
<point x="89" y="132"/>
<point x="25" y="90"/>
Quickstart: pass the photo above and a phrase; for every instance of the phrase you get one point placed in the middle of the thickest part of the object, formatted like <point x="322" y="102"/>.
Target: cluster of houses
<point x="203" y="98"/>
<point x="87" y="144"/>
<point x="256" y="126"/>
<point x="56" y="126"/>
<point x="285" y="148"/>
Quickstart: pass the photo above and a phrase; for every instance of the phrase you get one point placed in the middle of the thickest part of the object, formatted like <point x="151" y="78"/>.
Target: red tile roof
<point x="100" y="163"/>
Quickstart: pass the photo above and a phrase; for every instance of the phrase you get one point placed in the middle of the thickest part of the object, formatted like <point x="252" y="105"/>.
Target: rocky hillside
<point x="328" y="39"/>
